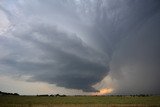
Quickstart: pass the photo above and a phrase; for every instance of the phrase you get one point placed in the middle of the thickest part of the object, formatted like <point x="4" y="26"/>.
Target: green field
<point x="79" y="101"/>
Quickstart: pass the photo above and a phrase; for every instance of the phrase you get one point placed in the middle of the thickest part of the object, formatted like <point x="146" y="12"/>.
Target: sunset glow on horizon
<point x="104" y="91"/>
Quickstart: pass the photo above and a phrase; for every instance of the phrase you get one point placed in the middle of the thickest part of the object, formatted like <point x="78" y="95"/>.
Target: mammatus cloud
<point x="76" y="44"/>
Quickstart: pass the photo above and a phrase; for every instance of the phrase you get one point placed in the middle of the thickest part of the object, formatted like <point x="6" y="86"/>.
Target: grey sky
<point x="78" y="44"/>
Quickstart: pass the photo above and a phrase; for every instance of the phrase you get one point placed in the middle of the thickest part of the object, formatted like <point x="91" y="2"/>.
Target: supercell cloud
<point x="78" y="43"/>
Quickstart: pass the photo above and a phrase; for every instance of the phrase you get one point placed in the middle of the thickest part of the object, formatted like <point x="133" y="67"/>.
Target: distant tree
<point x="57" y="95"/>
<point x="52" y="95"/>
<point x="63" y="95"/>
<point x="16" y="94"/>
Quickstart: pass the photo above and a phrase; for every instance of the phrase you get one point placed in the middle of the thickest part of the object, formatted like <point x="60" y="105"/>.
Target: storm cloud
<point x="77" y="43"/>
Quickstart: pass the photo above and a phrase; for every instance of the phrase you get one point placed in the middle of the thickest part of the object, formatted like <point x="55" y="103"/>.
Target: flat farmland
<point x="79" y="101"/>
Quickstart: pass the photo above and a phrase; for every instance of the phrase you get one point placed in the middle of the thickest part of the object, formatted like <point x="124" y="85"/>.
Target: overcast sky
<point x="80" y="46"/>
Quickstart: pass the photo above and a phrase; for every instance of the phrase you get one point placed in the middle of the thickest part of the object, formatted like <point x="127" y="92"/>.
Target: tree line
<point x="58" y="95"/>
<point x="5" y="93"/>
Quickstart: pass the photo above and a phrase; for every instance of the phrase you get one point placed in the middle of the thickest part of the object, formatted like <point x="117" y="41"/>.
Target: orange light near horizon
<point x="104" y="91"/>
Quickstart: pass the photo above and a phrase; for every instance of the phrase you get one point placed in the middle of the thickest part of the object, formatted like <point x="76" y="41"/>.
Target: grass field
<point x="80" y="101"/>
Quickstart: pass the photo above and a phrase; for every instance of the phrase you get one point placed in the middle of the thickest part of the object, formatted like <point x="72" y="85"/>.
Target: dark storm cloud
<point x="74" y="44"/>
<point x="66" y="60"/>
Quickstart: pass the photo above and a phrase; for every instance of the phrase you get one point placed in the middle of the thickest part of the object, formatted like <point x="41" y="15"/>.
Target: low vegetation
<point x="80" y="101"/>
